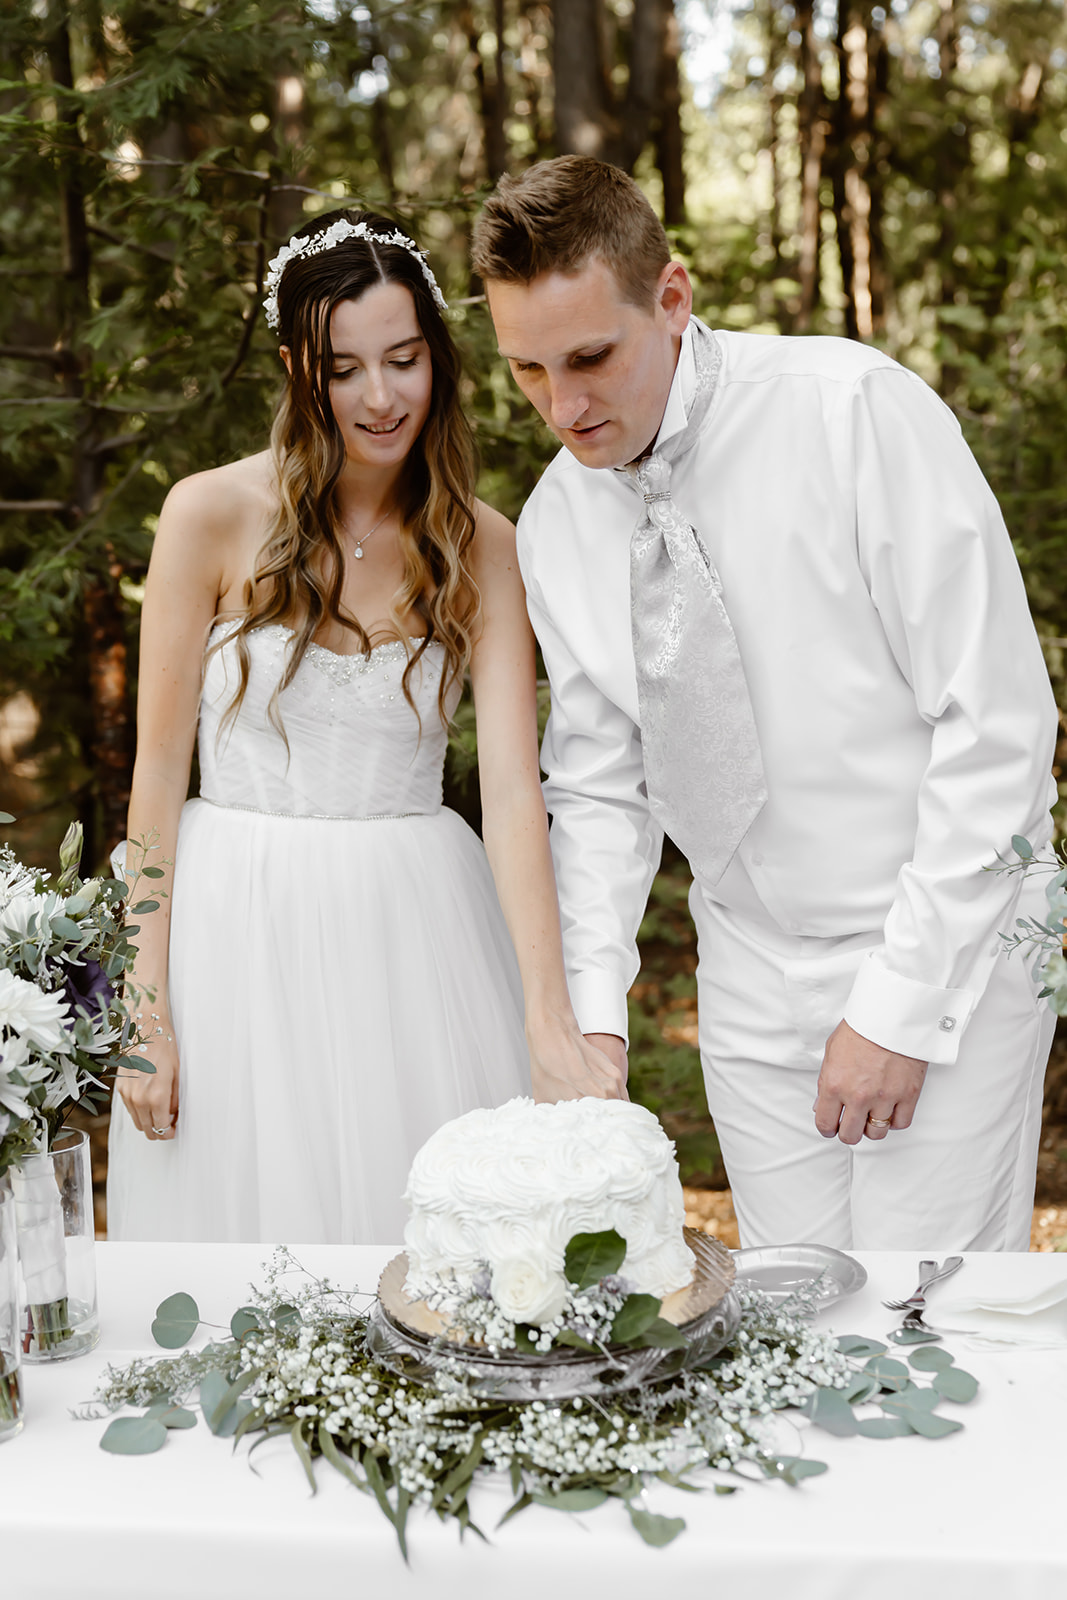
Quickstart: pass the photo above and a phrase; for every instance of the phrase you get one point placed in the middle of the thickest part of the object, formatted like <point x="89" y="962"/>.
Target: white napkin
<point x="1003" y="1321"/>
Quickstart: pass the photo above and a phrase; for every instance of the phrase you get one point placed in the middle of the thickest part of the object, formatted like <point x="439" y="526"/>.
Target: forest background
<point x="895" y="174"/>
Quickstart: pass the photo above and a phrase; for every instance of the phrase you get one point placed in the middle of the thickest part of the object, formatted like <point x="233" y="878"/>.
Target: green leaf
<point x="218" y="1398"/>
<point x="654" y="1529"/>
<point x="727" y="1488"/>
<point x="171" y="1415"/>
<point x="287" y="1317"/>
<point x="572" y="1499"/>
<point x="829" y="1410"/>
<point x="243" y="1321"/>
<point x="300" y="1445"/>
<point x="152" y="872"/>
<point x="1022" y="847"/>
<point x="637" y="1312"/>
<point x="5" y="818"/>
<point x="592" y="1256"/>
<point x="854" y="1344"/>
<point x="862" y="1386"/>
<point x="914" y="1336"/>
<point x="910" y="1401"/>
<point x="524" y="1340"/>
<point x="793" y="1468"/>
<point x="519" y="1504"/>
<point x="572" y="1339"/>
<point x="890" y="1374"/>
<point x="883" y="1427"/>
<point x="663" y="1335"/>
<point x="176" y="1321"/>
<point x="931" y="1425"/>
<point x="143" y="907"/>
<point x="931" y="1360"/>
<point x="133" y="1436"/>
<point x="955" y="1384"/>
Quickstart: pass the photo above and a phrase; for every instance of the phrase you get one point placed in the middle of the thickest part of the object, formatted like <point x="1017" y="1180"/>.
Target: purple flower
<point x="87" y="989"/>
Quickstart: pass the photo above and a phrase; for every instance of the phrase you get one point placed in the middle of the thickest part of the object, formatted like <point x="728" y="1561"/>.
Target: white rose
<point x="526" y="1292"/>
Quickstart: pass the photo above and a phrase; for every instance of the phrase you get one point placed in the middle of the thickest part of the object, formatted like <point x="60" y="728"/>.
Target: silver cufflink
<point x="947" y="1024"/>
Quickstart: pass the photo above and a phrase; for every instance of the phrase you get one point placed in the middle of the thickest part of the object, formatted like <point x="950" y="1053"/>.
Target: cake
<point x="507" y="1189"/>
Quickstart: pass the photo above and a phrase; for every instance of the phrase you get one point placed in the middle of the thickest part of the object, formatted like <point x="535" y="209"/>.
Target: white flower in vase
<point x="36" y="1016"/>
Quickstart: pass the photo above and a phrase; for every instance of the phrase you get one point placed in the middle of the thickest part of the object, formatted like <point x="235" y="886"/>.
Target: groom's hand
<point x="864" y="1088"/>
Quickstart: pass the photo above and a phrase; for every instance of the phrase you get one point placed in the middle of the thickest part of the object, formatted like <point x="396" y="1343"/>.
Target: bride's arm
<point x="181" y="594"/>
<point x="563" y="1063"/>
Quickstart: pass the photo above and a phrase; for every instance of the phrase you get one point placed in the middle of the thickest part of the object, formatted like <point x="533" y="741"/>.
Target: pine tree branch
<point x="51" y="356"/>
<point x="131" y="244"/>
<point x="35" y="505"/>
<point x="252" y="315"/>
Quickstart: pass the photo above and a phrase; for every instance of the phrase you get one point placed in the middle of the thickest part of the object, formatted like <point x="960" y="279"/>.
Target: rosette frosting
<point x="514" y="1184"/>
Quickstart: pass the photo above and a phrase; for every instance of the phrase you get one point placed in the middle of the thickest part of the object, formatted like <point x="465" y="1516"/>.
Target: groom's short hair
<point x="557" y="214"/>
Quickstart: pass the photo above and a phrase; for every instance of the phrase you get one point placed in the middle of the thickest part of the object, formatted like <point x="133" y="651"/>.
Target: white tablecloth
<point x="976" y="1516"/>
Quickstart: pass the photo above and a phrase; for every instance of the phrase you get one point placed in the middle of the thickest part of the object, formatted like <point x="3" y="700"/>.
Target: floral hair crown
<point x="314" y="244"/>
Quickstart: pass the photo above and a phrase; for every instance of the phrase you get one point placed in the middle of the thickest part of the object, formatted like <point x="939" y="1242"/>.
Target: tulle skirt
<point x="339" y="989"/>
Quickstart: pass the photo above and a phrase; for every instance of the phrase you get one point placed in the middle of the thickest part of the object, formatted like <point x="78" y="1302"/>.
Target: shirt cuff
<point x="599" y="1002"/>
<point x="905" y="1016"/>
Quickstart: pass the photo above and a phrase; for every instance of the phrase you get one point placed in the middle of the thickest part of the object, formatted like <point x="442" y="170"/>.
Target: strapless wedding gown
<point x="341" y="977"/>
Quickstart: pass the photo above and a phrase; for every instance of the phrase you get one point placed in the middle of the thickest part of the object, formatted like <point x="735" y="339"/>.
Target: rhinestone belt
<point x="316" y="816"/>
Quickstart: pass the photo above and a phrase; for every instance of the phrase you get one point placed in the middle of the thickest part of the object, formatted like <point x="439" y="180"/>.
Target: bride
<point x="331" y="974"/>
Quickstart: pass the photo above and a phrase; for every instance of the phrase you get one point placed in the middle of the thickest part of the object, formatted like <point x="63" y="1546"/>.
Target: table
<point x="976" y="1516"/>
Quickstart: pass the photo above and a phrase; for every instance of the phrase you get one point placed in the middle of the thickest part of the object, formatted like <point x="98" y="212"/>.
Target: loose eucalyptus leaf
<point x="214" y="1389"/>
<point x="915" y="1336"/>
<point x="572" y="1499"/>
<point x="637" y="1312"/>
<point x="883" y="1427"/>
<point x="793" y="1468"/>
<point x="654" y="1529"/>
<point x="910" y="1401"/>
<point x="886" y="1367"/>
<point x="854" y="1344"/>
<point x="592" y="1256"/>
<point x="171" y="1415"/>
<point x="955" y="1384"/>
<point x="862" y="1386"/>
<point x="176" y="1320"/>
<point x="133" y="1436"/>
<point x="243" y="1321"/>
<point x="933" y="1426"/>
<point x="931" y="1360"/>
<point x="829" y="1410"/>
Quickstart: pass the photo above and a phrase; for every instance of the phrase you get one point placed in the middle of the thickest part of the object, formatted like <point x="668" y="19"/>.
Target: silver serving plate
<point x="423" y="1355"/>
<point x="817" y="1272"/>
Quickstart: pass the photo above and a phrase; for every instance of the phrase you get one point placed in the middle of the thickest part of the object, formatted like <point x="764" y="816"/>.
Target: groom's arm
<point x="605" y="844"/>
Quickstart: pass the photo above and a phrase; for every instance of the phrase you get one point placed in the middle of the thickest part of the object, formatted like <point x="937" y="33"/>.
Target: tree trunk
<point x="109" y="753"/>
<point x="952" y="154"/>
<point x="492" y="93"/>
<point x="811" y="127"/>
<point x="641" y="108"/>
<point x="585" y="119"/>
<point x="670" y="142"/>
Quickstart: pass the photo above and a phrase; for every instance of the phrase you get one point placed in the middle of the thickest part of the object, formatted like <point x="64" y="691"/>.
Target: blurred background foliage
<point x="896" y="174"/>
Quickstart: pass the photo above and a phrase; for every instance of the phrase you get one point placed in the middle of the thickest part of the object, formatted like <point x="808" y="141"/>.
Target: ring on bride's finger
<point x="879" y="1122"/>
<point x="162" y="1130"/>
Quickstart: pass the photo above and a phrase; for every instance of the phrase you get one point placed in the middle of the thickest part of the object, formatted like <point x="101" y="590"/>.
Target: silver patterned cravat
<point x="701" y="751"/>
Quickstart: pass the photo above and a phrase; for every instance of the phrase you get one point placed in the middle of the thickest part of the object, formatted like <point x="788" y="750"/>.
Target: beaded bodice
<point x="352" y="746"/>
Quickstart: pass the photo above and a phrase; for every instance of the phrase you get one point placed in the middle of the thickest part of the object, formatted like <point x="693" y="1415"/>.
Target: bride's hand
<point x="151" y="1098"/>
<point x="565" y="1065"/>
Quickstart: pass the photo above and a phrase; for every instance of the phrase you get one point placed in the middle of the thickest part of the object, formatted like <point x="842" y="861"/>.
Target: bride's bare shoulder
<point x="232" y="502"/>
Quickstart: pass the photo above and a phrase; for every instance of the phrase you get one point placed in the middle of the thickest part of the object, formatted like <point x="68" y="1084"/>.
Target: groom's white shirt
<point x="904" y="711"/>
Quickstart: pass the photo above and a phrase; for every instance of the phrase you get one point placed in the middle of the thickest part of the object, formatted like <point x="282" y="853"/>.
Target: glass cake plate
<point x="819" y="1273"/>
<point x="411" y="1339"/>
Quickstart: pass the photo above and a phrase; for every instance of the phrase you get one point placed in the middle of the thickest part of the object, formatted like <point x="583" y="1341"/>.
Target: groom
<point x="782" y="623"/>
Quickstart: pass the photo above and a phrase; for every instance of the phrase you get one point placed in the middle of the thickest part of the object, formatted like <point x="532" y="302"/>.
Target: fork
<point x="929" y="1273"/>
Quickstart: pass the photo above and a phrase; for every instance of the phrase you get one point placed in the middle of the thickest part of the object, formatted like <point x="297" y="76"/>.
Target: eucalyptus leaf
<point x="171" y="1415"/>
<point x="855" y="1345"/>
<point x="1022" y="847"/>
<point x="915" y="1336"/>
<point x="133" y="1436"/>
<point x="143" y="907"/>
<point x="910" y="1401"/>
<point x="791" y="1469"/>
<point x="829" y="1410"/>
<point x="5" y="818"/>
<point x="637" y="1312"/>
<point x="955" y="1384"/>
<point x="933" y="1426"/>
<point x="931" y="1360"/>
<point x="861" y="1387"/>
<point x="287" y="1317"/>
<point x="654" y="1529"/>
<point x="592" y="1256"/>
<point x="727" y="1488"/>
<point x="883" y="1427"/>
<point x="152" y="872"/>
<point x="243" y="1321"/>
<point x="176" y="1320"/>
<point x="215" y="1391"/>
<point x="572" y="1499"/>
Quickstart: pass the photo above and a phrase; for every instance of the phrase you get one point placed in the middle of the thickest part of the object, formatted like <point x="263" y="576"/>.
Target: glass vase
<point x="54" y="1207"/>
<point x="10" y="1367"/>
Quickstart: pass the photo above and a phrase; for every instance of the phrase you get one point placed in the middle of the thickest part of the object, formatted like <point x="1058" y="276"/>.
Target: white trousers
<point x="960" y="1178"/>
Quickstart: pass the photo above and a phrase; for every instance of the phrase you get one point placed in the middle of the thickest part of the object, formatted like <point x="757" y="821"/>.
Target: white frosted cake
<point x="512" y="1186"/>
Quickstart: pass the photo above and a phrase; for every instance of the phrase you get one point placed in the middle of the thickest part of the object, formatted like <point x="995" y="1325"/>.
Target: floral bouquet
<point x="1047" y="940"/>
<point x="64" y="1026"/>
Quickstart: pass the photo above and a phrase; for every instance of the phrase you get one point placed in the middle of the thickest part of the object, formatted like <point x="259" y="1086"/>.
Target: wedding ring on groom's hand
<point x="879" y="1122"/>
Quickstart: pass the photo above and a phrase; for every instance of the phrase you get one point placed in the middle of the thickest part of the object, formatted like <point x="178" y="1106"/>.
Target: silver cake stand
<point x="410" y="1340"/>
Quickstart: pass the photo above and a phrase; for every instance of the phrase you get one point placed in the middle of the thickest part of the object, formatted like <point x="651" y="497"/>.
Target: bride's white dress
<point x="341" y="977"/>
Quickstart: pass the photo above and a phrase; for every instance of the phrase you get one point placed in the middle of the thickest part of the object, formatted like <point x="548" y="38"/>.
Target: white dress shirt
<point x="904" y="711"/>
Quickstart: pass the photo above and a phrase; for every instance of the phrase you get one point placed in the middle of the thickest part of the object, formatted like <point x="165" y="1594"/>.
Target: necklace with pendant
<point x="357" y="548"/>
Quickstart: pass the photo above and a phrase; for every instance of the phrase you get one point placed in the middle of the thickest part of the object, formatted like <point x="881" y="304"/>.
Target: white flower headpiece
<point x="315" y="243"/>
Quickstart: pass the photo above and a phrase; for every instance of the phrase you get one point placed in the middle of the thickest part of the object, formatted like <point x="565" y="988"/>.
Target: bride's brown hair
<point x="300" y="569"/>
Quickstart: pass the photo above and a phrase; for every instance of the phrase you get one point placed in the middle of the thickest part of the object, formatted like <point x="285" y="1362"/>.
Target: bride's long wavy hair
<point x="299" y="572"/>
